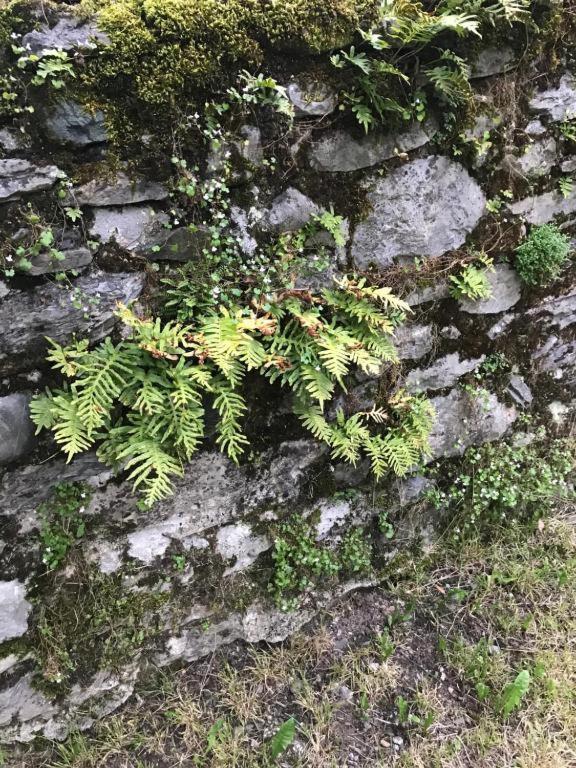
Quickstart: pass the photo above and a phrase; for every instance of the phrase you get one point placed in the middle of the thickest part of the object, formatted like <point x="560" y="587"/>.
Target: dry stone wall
<point x="196" y="561"/>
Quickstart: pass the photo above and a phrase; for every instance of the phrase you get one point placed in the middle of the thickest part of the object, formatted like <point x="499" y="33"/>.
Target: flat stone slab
<point x="557" y="103"/>
<point x="424" y="208"/>
<point x="28" y="317"/>
<point x="413" y="341"/>
<point x="123" y="190"/>
<point x="462" y="421"/>
<point x="444" y="372"/>
<point x="16" y="428"/>
<point x="69" y="123"/>
<point x="338" y="151"/>
<point x="289" y="212"/>
<point x="135" y="228"/>
<point x="68" y="33"/>
<point x="14" y="610"/>
<point x="539" y="158"/>
<point x="540" y="209"/>
<point x="21" y="177"/>
<point x="75" y="258"/>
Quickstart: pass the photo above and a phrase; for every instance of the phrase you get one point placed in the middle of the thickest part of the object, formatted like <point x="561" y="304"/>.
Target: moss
<point x="10" y="20"/>
<point x="85" y="620"/>
<point x="166" y="57"/>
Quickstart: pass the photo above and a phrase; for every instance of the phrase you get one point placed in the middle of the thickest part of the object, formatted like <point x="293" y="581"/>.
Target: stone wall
<point x="195" y="566"/>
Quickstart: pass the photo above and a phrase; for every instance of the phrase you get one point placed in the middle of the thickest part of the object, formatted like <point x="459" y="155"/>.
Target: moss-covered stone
<point x="85" y="620"/>
<point x="167" y="56"/>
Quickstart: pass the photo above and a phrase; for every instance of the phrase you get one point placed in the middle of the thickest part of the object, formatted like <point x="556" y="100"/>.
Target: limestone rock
<point x="239" y="543"/>
<point x="568" y="165"/>
<point x="21" y="177"/>
<point x="16" y="428"/>
<point x="69" y="123"/>
<point x="75" y="258"/>
<point x="493" y="61"/>
<point x="501" y="325"/>
<point x="332" y="513"/>
<point x="462" y="421"/>
<point x="214" y="492"/>
<point x="312" y="99"/>
<point x="13" y="140"/>
<point x="250" y="145"/>
<point x="123" y="190"/>
<point x="289" y="212"/>
<point x="424" y="208"/>
<point x="27" y="317"/>
<point x="106" y="555"/>
<point x="69" y="32"/>
<point x="444" y="372"/>
<point x="259" y="623"/>
<point x="438" y="291"/>
<point x="557" y="357"/>
<point x="505" y="288"/>
<point x="519" y="391"/>
<point x="556" y="311"/>
<point x="535" y="128"/>
<point x="135" y="228"/>
<point x="338" y="151"/>
<point x="14" y="610"/>
<point x="8" y="662"/>
<point x="24" y="704"/>
<point x="542" y="208"/>
<point x="181" y="244"/>
<point x="557" y="103"/>
<point x="244" y="221"/>
<point x="413" y="341"/>
<point x="26" y="713"/>
<point x="24" y="489"/>
<point x="539" y="158"/>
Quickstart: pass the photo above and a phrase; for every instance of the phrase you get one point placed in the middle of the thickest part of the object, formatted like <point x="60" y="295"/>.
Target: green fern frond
<point x="147" y="392"/>
<point x="150" y="468"/>
<point x="231" y="407"/>
<point x="67" y="360"/>
<point x="313" y="419"/>
<point x="42" y="411"/>
<point x="157" y="338"/>
<point x="400" y="455"/>
<point x="69" y="429"/>
<point x="367" y="362"/>
<point x="375" y="450"/>
<point x="102" y="375"/>
<point x="186" y="429"/>
<point x="319" y="386"/>
<point x="452" y="84"/>
<point x="333" y="352"/>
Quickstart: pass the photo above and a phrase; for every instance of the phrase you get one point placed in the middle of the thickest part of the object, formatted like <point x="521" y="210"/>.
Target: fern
<point x="101" y="377"/>
<point x="282" y="739"/>
<point x="471" y="283"/>
<point x="231" y="408"/>
<point x="379" y="72"/>
<point x="449" y="77"/>
<point x="42" y="412"/>
<point x="69" y="430"/>
<point x="150" y="468"/>
<point x="143" y="399"/>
